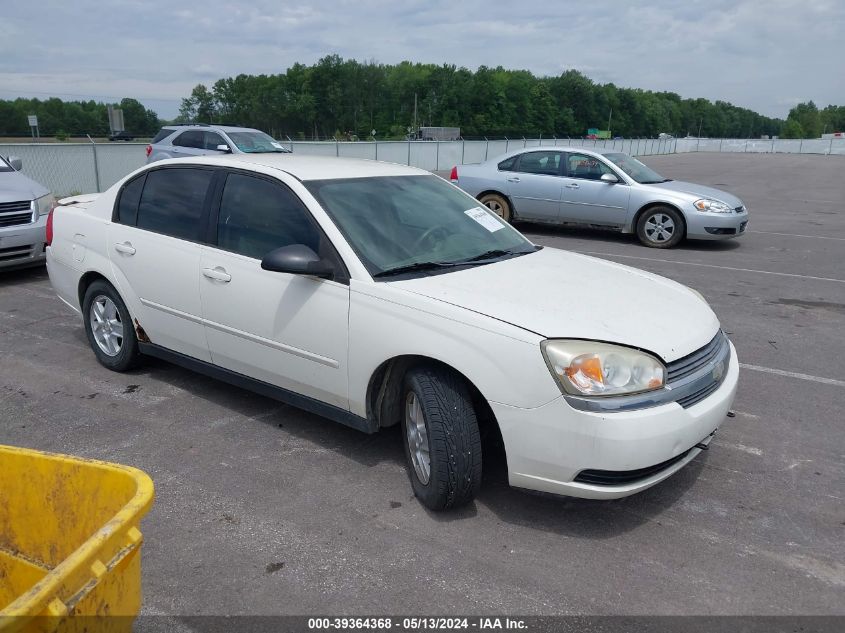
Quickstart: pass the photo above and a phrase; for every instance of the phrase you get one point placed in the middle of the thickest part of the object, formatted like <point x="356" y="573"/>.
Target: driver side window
<point x="586" y="167"/>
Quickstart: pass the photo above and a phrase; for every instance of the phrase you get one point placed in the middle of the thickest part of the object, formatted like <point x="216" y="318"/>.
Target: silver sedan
<point x="567" y="185"/>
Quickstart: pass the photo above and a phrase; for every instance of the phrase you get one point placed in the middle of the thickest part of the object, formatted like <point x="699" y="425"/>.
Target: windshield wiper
<point x="410" y="268"/>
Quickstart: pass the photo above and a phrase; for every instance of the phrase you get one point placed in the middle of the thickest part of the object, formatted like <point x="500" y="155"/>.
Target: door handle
<point x="125" y="247"/>
<point x="573" y="185"/>
<point x="218" y="273"/>
<point x="513" y="179"/>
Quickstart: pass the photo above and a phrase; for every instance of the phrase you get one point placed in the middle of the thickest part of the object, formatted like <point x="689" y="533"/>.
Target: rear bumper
<point x="561" y="450"/>
<point x="23" y="245"/>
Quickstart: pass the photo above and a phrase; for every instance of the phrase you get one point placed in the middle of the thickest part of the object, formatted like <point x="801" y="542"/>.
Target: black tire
<point x="498" y="204"/>
<point x="652" y="227"/>
<point x="128" y="354"/>
<point x="454" y="440"/>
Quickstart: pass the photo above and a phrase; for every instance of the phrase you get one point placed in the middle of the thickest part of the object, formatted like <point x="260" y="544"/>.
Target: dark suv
<point x="200" y="139"/>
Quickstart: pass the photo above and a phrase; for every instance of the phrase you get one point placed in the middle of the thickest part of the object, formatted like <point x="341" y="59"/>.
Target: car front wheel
<point x="441" y="438"/>
<point x="661" y="227"/>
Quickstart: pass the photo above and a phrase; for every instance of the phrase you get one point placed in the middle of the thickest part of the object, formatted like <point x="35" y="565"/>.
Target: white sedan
<point x="377" y="294"/>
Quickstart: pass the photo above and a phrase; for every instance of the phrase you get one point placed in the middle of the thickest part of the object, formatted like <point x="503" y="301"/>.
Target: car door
<point x="287" y="330"/>
<point x="189" y="143"/>
<point x="534" y="186"/>
<point x="587" y="198"/>
<point x="153" y="246"/>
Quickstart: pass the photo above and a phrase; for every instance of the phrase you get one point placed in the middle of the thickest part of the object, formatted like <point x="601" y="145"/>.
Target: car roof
<point x="304" y="167"/>
<point x="210" y="126"/>
<point x="555" y="148"/>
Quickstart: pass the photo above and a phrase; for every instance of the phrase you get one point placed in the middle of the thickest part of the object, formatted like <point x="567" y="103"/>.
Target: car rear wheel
<point x="661" y="227"/>
<point x="441" y="438"/>
<point x="108" y="327"/>
<point x="498" y="204"/>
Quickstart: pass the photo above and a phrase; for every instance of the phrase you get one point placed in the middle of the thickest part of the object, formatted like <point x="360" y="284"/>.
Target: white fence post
<point x="96" y="166"/>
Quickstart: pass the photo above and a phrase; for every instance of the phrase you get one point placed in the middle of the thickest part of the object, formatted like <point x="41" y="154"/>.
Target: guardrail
<point x="68" y="168"/>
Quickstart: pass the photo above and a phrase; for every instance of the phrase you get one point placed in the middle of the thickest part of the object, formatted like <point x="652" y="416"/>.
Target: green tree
<point x="792" y="129"/>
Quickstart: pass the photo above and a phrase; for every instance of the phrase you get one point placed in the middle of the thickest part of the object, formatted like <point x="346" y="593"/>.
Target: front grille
<point x="14" y="219"/>
<point x="621" y="477"/>
<point x="698" y="396"/>
<point x="15" y="252"/>
<point x="691" y="363"/>
<point x="20" y="205"/>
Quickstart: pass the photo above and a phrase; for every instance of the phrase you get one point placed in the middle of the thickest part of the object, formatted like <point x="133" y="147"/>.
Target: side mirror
<point x="297" y="259"/>
<point x="609" y="178"/>
<point x="224" y="148"/>
<point x="16" y="162"/>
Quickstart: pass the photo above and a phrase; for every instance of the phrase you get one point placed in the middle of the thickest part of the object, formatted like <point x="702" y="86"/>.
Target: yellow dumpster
<point x="70" y="546"/>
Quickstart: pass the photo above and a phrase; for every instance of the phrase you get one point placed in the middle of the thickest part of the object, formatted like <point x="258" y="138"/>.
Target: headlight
<point x="42" y="205"/>
<point x="713" y="206"/>
<point x="586" y="368"/>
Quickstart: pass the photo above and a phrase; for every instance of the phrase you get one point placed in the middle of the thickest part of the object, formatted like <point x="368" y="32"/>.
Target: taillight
<point x="149" y="150"/>
<point x="454" y="175"/>
<point x="50" y="227"/>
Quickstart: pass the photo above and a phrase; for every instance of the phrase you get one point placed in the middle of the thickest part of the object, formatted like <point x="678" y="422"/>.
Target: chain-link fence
<point x="69" y="168"/>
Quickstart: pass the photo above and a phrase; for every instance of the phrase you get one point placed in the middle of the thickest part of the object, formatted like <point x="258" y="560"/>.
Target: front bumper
<point x="549" y="446"/>
<point x="23" y="245"/>
<point x="716" y="226"/>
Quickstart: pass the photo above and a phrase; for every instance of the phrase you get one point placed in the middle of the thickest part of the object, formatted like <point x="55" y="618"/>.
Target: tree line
<point x="348" y="99"/>
<point x="337" y="98"/>
<point x="73" y="118"/>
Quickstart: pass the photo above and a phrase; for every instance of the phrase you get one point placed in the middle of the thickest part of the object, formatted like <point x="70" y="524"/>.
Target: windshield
<point x="256" y="142"/>
<point x="421" y="222"/>
<point x="635" y="169"/>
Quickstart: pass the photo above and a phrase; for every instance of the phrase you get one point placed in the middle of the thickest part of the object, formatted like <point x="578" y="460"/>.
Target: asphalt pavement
<point x="264" y="509"/>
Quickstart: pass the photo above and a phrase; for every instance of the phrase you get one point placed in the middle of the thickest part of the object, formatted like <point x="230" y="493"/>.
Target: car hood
<point x="699" y="191"/>
<point x="14" y="186"/>
<point x="558" y="294"/>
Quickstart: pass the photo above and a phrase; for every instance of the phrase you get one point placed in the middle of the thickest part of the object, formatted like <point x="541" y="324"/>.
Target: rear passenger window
<point x="172" y="202"/>
<point x="195" y="139"/>
<point x="163" y="134"/>
<point x="546" y="163"/>
<point x="258" y="216"/>
<point x="127" y="206"/>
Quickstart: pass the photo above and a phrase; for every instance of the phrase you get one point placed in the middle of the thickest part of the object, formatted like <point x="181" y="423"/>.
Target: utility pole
<point x="415" y="115"/>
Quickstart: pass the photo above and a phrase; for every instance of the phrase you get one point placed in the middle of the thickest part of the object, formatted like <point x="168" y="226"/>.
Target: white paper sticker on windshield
<point x="277" y="145"/>
<point x="485" y="219"/>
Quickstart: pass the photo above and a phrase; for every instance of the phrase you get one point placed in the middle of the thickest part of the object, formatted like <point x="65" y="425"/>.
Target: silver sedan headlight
<point x="587" y="368"/>
<point x="712" y="206"/>
<point x="42" y="205"/>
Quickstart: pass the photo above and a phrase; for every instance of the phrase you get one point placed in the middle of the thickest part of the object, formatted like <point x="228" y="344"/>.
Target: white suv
<point x="200" y="139"/>
<point x="376" y="294"/>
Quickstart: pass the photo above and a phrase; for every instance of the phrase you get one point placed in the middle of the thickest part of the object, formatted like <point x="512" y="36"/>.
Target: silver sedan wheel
<point x="106" y="325"/>
<point x="495" y="207"/>
<point x="416" y="435"/>
<point x="659" y="228"/>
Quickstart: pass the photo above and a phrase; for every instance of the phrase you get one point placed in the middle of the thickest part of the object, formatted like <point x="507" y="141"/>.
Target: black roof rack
<point x="184" y="124"/>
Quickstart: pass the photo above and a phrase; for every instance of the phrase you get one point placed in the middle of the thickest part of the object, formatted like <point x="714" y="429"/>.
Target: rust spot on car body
<point x="139" y="332"/>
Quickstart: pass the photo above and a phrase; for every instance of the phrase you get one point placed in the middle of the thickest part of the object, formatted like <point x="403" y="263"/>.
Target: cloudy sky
<point x="762" y="54"/>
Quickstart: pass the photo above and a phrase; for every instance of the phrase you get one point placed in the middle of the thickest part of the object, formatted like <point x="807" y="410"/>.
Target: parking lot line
<point x="743" y="270"/>
<point x="792" y="374"/>
<point x="817" y="237"/>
